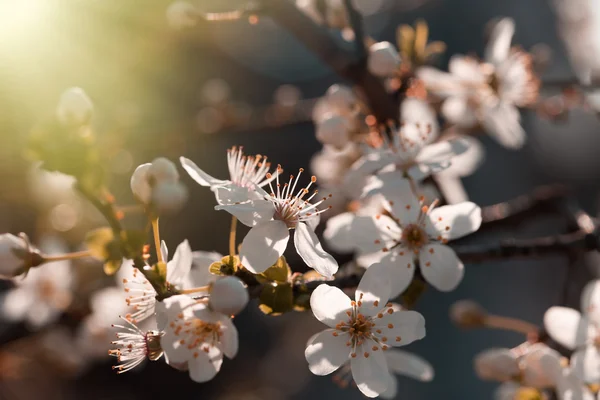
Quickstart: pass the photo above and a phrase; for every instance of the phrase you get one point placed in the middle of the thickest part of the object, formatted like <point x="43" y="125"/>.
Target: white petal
<point x="496" y="365"/>
<point x="507" y="391"/>
<point x="541" y="367"/>
<point x="374" y="287"/>
<point x="370" y="373"/>
<point x="567" y="327"/>
<point x="263" y="245"/>
<point x="467" y="163"/>
<point x="503" y="123"/>
<point x="198" y="175"/>
<point x="16" y="303"/>
<point x="498" y="46"/>
<point x="441" y="267"/>
<point x="443" y="152"/>
<point x="346" y="232"/>
<point x="570" y="387"/>
<point x="586" y="364"/>
<point x="329" y="305"/>
<point x="439" y="82"/>
<point x="392" y="387"/>
<point x="174" y="350"/>
<point x="456" y="110"/>
<point x="200" y="274"/>
<point x="452" y="188"/>
<point x="454" y="221"/>
<point x="313" y="221"/>
<point x="250" y="213"/>
<point x="466" y="68"/>
<point x="309" y="248"/>
<point x="590" y="301"/>
<point x="406" y="325"/>
<point x="179" y="267"/>
<point x="408" y="364"/>
<point x="401" y="268"/>
<point x="206" y="365"/>
<point x="164" y="251"/>
<point x="402" y="203"/>
<point x="231" y="193"/>
<point x="229" y="340"/>
<point x="325" y="353"/>
<point x="139" y="183"/>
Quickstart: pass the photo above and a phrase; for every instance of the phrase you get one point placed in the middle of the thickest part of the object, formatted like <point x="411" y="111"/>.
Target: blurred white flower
<point x="74" y="107"/>
<point x="383" y="59"/>
<point x="133" y="346"/>
<point x="570" y="387"/>
<point x="413" y="234"/>
<point x="14" y="254"/>
<point x="247" y="177"/>
<point x="488" y="92"/>
<point x="361" y="331"/>
<point x="181" y="15"/>
<point x="579" y="332"/>
<point x="44" y="293"/>
<point x="334" y="130"/>
<point x="157" y="184"/>
<point x="272" y="218"/>
<point x="197" y="337"/>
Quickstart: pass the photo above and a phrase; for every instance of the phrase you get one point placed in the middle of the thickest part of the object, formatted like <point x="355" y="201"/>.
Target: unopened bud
<point x="163" y="169"/>
<point x="74" y="107"/>
<point x="181" y="15"/>
<point x="334" y="130"/>
<point x="383" y="59"/>
<point x="467" y="314"/>
<point x="228" y="295"/>
<point x="168" y="197"/>
<point x="340" y="98"/>
<point x="15" y="255"/>
<point x="140" y="185"/>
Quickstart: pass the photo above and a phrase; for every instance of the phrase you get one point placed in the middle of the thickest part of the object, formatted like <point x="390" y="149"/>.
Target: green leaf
<point x="112" y="266"/>
<point x="97" y="242"/>
<point x="276" y="299"/>
<point x="280" y="272"/>
<point x="227" y="266"/>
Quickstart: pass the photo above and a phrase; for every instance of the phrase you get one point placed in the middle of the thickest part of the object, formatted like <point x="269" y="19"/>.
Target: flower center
<point x="46" y="290"/>
<point x="197" y="334"/>
<point x="414" y="236"/>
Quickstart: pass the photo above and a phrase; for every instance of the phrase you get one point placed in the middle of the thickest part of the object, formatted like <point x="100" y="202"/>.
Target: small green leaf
<point x="112" y="266"/>
<point x="227" y="266"/>
<point x="276" y="299"/>
<point x="97" y="242"/>
<point x="280" y="272"/>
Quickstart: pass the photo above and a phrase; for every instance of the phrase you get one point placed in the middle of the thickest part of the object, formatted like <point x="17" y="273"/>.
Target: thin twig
<point x="356" y="22"/>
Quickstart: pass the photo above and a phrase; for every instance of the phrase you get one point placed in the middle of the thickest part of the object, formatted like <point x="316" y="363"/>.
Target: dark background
<point x="146" y="82"/>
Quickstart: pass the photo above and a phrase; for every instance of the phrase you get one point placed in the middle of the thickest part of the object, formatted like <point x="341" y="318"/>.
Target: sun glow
<point x="21" y="16"/>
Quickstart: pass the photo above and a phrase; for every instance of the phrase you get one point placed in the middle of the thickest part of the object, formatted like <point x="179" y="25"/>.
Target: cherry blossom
<point x="197" y="337"/>
<point x="413" y="234"/>
<point x="361" y="331"/>
<point x="272" y="218"/>
<point x="579" y="332"/>
<point x="13" y="253"/>
<point x="157" y="184"/>
<point x="247" y="177"/>
<point x="134" y="346"/>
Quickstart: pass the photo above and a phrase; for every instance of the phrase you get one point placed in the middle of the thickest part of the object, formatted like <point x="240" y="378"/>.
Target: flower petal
<point x="498" y="47"/>
<point x="541" y="367"/>
<point x="198" y="175"/>
<point x="503" y="123"/>
<point x="570" y="387"/>
<point x="408" y="364"/>
<point x="329" y="305"/>
<point x="392" y="388"/>
<point x="454" y="221"/>
<point x="402" y="203"/>
<point x="326" y="353"/>
<point x="496" y="365"/>
<point x="263" y="245"/>
<point x="179" y="267"/>
<point x="229" y="340"/>
<point x="443" y="152"/>
<point x="250" y="213"/>
<point x="441" y="267"/>
<point x="200" y="274"/>
<point x="567" y="327"/>
<point x="346" y="232"/>
<point x="309" y="248"/>
<point x="586" y="364"/>
<point x="507" y="391"/>
<point x="373" y="290"/>
<point x="590" y="301"/>
<point x="458" y="111"/>
<point x="231" y="193"/>
<point x="370" y="373"/>
<point x="205" y="366"/>
<point x="402" y="327"/>
<point x="401" y="268"/>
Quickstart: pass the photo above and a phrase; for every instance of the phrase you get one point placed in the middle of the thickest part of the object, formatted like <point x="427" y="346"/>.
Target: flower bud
<point x="140" y="186"/>
<point x="334" y="130"/>
<point x="383" y="59"/>
<point x="496" y="365"/>
<point x="467" y="314"/>
<point x="168" y="197"/>
<point x="13" y="251"/>
<point x="340" y="98"/>
<point x="181" y="15"/>
<point x="74" y="107"/>
<point x="228" y="295"/>
<point x="163" y="169"/>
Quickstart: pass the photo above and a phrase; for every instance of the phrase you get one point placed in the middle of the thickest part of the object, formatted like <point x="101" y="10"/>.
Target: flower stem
<point x="66" y="256"/>
<point x="156" y="233"/>
<point x="195" y="290"/>
<point x="511" y="324"/>
<point x="232" y="232"/>
<point x="131" y="208"/>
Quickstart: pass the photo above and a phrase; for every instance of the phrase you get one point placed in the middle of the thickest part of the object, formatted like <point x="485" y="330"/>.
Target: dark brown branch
<point x="356" y="22"/>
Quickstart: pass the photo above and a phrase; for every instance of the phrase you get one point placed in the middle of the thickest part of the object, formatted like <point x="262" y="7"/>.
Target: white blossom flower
<point x="488" y="92"/>
<point x="13" y="255"/>
<point x="336" y="117"/>
<point x="247" y="177"/>
<point x="360" y="331"/>
<point x="74" y="107"/>
<point x="140" y="293"/>
<point x="197" y="337"/>
<point x="157" y="184"/>
<point x="536" y="366"/>
<point x="134" y="346"/>
<point x="413" y="234"/>
<point x="406" y="154"/>
<point x="579" y="332"/>
<point x="334" y="130"/>
<point x="44" y="293"/>
<point x="383" y="59"/>
<point x="271" y="220"/>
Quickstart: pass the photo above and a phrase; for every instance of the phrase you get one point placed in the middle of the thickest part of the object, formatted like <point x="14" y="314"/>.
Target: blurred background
<point x="159" y="91"/>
